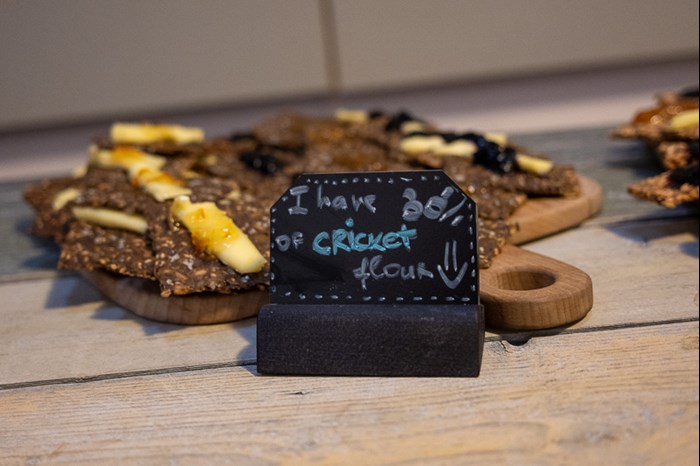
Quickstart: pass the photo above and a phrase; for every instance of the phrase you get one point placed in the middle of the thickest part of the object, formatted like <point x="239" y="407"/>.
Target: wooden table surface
<point x="82" y="380"/>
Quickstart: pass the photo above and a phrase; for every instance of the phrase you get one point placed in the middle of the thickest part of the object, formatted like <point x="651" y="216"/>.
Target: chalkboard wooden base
<point x="371" y="340"/>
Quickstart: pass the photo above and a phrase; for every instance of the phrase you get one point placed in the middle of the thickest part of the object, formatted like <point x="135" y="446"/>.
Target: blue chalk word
<point x="340" y="239"/>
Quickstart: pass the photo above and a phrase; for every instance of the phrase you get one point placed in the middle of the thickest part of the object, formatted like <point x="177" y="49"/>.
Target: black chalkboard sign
<point x="373" y="274"/>
<point x="386" y="238"/>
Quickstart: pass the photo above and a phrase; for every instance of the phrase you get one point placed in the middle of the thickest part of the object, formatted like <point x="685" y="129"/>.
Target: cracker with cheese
<point x="161" y="202"/>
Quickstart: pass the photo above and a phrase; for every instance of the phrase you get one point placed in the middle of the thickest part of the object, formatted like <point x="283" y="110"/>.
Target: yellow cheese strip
<point x="147" y="133"/>
<point x="534" y="165"/>
<point x="213" y="231"/>
<point x="684" y="120"/>
<point x="79" y="171"/>
<point x="457" y="148"/>
<point x="64" y="197"/>
<point x="111" y="218"/>
<point x="351" y="116"/>
<point x="412" y="126"/>
<point x="499" y="138"/>
<point x="420" y="144"/>
<point x="124" y="157"/>
<point x="158" y="184"/>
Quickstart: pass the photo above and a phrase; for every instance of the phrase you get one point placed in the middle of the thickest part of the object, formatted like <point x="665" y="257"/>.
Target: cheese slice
<point x="412" y="126"/>
<point x="158" y="184"/>
<point x="111" y="218"/>
<point x="64" y="197"/>
<point x="420" y="144"/>
<point x="534" y="165"/>
<point x="124" y="157"/>
<point x="213" y="231"/>
<point x="351" y="116"/>
<point x="684" y="120"/>
<point x="147" y="133"/>
<point x="457" y="148"/>
<point x="499" y="138"/>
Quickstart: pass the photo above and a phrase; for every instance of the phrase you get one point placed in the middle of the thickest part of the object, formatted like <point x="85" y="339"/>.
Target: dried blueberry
<point x="477" y="139"/>
<point x="420" y="133"/>
<point x="241" y="136"/>
<point x="449" y="136"/>
<point x="689" y="93"/>
<point x="495" y="158"/>
<point x="375" y="114"/>
<point x="296" y="150"/>
<point x="262" y="161"/>
<point x="507" y="160"/>
<point x="399" y="119"/>
<point x="688" y="174"/>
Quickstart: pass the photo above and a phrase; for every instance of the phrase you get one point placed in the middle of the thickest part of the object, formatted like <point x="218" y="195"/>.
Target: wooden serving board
<point x="521" y="290"/>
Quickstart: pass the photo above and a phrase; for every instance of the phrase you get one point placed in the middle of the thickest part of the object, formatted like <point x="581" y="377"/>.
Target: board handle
<point x="524" y="290"/>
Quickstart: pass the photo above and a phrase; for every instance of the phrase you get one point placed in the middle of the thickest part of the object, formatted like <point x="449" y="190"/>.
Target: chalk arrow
<point x="454" y="282"/>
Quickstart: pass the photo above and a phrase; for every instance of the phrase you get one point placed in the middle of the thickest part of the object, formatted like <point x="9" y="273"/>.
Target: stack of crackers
<point x="165" y="203"/>
<point x="670" y="129"/>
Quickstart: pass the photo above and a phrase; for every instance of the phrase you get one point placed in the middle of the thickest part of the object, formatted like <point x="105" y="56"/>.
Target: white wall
<point x="72" y="60"/>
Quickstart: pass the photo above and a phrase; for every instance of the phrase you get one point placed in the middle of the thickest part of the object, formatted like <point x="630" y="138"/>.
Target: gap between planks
<point x="515" y="339"/>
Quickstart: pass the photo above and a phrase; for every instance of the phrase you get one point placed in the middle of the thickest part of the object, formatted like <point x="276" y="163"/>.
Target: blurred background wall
<point x="69" y="61"/>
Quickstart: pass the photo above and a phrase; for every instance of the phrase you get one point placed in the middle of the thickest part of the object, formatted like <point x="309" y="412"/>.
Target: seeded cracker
<point x="91" y="247"/>
<point x="670" y="188"/>
<point x="244" y="174"/>
<point x="182" y="269"/>
<point x="49" y="222"/>
<point x="670" y="129"/>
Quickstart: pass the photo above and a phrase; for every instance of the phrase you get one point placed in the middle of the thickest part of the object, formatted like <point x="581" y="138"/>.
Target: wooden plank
<point x="63" y="329"/>
<point x="22" y="256"/>
<point x="642" y="272"/>
<point x="625" y="396"/>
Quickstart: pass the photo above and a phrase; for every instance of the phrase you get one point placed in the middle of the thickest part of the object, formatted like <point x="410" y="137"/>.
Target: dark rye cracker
<point x="48" y="222"/>
<point x="482" y="185"/>
<point x="676" y="154"/>
<point x="183" y="269"/>
<point x="560" y="181"/>
<point x="670" y="188"/>
<point x="492" y="236"/>
<point x="244" y="175"/>
<point x="52" y="223"/>
<point x="91" y="247"/>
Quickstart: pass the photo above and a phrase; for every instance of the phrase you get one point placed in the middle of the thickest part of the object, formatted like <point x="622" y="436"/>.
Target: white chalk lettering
<point x="372" y="268"/>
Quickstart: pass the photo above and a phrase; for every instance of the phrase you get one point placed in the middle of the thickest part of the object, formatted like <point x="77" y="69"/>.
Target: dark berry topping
<point x="262" y="161"/>
<point x="477" y="139"/>
<point x="693" y="149"/>
<point x="399" y="119"/>
<point x="495" y="158"/>
<point x="689" y="93"/>
<point x="241" y="136"/>
<point x="297" y="150"/>
<point x="688" y="174"/>
<point x="376" y="114"/>
<point x="449" y="137"/>
<point x="422" y="133"/>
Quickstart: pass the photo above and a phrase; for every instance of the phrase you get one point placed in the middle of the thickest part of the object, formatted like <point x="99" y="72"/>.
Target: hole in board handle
<point x="524" y="280"/>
